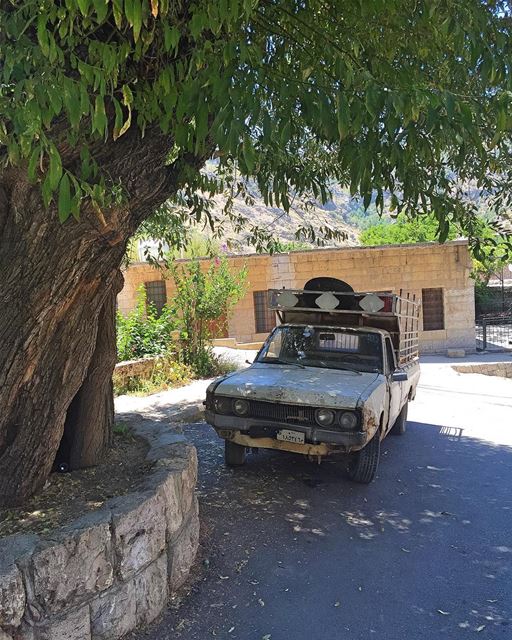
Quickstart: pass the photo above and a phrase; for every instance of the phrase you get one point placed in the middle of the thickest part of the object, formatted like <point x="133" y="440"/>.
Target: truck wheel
<point x="400" y="426"/>
<point x="364" y="464"/>
<point x="234" y="454"/>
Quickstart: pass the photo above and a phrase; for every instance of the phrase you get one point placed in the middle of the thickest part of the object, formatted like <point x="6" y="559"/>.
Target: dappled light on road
<point x="293" y="549"/>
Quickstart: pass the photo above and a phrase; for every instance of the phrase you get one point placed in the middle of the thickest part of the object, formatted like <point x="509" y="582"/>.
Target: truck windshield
<point x="324" y="347"/>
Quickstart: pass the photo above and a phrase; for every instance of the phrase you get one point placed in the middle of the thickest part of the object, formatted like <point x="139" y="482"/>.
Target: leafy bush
<point x="203" y="297"/>
<point x="143" y="332"/>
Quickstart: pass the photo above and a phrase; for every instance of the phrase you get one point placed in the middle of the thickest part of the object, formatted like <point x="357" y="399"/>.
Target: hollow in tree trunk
<point x="90" y="417"/>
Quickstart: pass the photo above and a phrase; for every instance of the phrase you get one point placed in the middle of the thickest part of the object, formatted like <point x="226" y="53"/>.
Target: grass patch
<point x="166" y="373"/>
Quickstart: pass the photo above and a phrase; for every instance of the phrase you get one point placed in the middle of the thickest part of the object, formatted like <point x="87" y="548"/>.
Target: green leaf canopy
<point x="384" y="96"/>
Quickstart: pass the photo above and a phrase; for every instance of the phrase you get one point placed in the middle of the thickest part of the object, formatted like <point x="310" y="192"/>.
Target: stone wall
<point x="502" y="369"/>
<point x="112" y="570"/>
<point x="133" y="368"/>
<point x="389" y="268"/>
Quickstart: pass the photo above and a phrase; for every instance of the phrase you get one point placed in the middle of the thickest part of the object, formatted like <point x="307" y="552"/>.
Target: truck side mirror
<point x="399" y="375"/>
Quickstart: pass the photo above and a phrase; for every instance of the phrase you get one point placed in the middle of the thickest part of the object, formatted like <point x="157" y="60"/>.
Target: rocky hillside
<point x="283" y="226"/>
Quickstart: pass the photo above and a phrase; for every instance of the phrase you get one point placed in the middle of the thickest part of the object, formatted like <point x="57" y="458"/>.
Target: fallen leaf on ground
<point x="231" y="630"/>
<point x="261" y="603"/>
<point x="481" y="627"/>
<point x="337" y="604"/>
<point x="268" y="636"/>
<point x="406" y="550"/>
<point x="443" y="613"/>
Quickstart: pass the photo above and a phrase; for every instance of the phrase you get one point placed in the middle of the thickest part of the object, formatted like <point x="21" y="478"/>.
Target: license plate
<point x="290" y="436"/>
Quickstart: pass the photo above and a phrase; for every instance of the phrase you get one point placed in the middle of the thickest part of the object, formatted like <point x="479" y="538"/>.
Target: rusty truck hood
<point x="310" y="386"/>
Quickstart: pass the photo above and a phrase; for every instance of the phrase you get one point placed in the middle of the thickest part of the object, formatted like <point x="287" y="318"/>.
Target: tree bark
<point x="90" y="417"/>
<point x="54" y="279"/>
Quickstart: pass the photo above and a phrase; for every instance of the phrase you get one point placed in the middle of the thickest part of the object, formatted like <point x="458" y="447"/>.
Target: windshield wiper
<point x="334" y="366"/>
<point x="279" y="361"/>
<point x="345" y="368"/>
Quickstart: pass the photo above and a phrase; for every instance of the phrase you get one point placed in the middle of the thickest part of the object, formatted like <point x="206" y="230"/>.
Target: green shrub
<point x="143" y="332"/>
<point x="202" y="297"/>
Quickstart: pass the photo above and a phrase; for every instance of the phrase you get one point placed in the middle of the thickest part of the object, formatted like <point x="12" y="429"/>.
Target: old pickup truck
<point x="335" y="376"/>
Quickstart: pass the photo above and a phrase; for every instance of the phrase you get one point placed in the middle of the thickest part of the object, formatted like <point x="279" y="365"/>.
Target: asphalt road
<point x="295" y="551"/>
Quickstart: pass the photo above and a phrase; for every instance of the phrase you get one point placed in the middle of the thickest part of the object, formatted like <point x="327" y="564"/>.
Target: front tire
<point x="365" y="463"/>
<point x="234" y="454"/>
<point x="400" y="426"/>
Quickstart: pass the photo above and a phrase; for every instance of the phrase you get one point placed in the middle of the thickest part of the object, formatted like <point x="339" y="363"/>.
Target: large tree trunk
<point x="90" y="417"/>
<point x="54" y="279"/>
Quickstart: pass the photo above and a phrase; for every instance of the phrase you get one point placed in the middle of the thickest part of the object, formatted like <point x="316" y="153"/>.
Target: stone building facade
<point x="439" y="276"/>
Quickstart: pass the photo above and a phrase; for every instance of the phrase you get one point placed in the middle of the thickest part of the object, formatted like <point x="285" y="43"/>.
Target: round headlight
<point x="348" y="420"/>
<point x="240" y="407"/>
<point x="222" y="405"/>
<point x="324" y="417"/>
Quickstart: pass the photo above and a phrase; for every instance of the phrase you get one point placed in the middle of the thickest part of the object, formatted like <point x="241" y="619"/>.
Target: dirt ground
<point x="68" y="496"/>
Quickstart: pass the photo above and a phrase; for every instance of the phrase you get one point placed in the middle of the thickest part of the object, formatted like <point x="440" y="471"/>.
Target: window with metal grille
<point x="433" y="309"/>
<point x="338" y="342"/>
<point x="264" y="317"/>
<point x="156" y="294"/>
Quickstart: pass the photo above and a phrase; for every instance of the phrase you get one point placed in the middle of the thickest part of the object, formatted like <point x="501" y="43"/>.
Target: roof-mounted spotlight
<point x="327" y="301"/>
<point x="371" y="303"/>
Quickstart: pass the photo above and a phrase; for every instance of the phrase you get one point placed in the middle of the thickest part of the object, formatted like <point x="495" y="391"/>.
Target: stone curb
<point x="502" y="369"/>
<point x="113" y="569"/>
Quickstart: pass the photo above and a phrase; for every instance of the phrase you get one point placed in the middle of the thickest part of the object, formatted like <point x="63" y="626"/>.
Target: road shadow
<point x="293" y="549"/>
<point x="425" y="551"/>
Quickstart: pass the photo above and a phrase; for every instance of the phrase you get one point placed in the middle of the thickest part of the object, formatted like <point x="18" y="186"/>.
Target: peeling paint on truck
<point x="294" y="385"/>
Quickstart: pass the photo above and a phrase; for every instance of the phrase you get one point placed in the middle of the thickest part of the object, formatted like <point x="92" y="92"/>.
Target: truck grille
<point x="283" y="412"/>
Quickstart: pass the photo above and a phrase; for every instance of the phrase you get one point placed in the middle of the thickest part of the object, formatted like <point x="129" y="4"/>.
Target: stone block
<point x="455" y="353"/>
<point x="167" y="484"/>
<point x="74" y="625"/>
<point x="74" y="565"/>
<point x="189" y="480"/>
<point x="114" y="613"/>
<point x="14" y="551"/>
<point x="175" y="483"/>
<point x="182" y="551"/>
<point x="151" y="588"/>
<point x="138" y="529"/>
<point x="12" y="596"/>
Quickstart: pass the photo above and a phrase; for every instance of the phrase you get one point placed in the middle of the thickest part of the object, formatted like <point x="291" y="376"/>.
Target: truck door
<point x="395" y="391"/>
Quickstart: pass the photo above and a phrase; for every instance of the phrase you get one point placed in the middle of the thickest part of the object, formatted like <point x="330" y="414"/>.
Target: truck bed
<point x="396" y="314"/>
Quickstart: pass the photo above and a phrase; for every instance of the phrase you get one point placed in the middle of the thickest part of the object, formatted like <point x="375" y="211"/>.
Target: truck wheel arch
<point x="382" y="431"/>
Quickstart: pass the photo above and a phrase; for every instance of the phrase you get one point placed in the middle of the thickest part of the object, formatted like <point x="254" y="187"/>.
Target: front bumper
<point x="262" y="428"/>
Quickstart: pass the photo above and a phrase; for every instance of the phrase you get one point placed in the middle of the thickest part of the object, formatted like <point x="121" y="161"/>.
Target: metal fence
<point x="494" y="332"/>
<point x="493" y="300"/>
